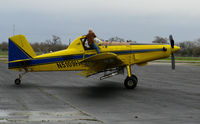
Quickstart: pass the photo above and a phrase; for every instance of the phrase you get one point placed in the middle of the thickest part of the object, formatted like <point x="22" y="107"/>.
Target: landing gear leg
<point x="131" y="81"/>
<point x="18" y="80"/>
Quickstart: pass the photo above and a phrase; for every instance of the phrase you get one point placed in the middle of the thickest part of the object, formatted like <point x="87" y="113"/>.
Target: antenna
<point x="13" y="29"/>
<point x="69" y="41"/>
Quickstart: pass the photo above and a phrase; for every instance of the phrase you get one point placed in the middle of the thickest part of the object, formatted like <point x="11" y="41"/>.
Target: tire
<point x="131" y="82"/>
<point x="17" y="81"/>
<point x="134" y="77"/>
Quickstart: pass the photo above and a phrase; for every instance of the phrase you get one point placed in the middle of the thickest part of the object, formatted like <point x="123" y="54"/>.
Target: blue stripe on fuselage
<point x="44" y="61"/>
<point x="137" y="51"/>
<point x="70" y="57"/>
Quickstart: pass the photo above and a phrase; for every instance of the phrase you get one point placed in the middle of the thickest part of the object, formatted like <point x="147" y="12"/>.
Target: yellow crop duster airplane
<point x="113" y="58"/>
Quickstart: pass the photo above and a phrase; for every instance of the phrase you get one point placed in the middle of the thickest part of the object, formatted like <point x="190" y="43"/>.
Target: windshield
<point x="97" y="40"/>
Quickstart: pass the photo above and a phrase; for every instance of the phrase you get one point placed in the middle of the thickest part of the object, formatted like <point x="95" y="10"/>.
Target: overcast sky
<point x="139" y="20"/>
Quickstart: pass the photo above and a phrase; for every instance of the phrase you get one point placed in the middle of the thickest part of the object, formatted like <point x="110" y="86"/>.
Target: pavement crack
<point x="24" y="107"/>
<point x="71" y="105"/>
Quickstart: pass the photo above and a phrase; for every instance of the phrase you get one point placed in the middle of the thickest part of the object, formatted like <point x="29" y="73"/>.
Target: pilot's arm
<point x="95" y="35"/>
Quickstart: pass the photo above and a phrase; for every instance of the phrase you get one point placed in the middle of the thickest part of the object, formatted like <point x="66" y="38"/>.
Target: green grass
<point x="184" y="58"/>
<point x="3" y="53"/>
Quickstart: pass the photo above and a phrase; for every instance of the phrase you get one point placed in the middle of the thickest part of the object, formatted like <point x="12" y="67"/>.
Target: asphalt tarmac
<point x="163" y="96"/>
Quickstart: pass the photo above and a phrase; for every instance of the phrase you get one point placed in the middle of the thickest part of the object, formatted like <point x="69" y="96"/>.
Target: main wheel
<point x="131" y="82"/>
<point x="134" y="77"/>
<point x="17" y="81"/>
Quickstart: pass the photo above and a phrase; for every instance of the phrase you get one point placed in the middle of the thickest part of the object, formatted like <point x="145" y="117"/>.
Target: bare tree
<point x="4" y="46"/>
<point x="49" y="45"/>
<point x="116" y="39"/>
<point x="160" y="40"/>
<point x="189" y="48"/>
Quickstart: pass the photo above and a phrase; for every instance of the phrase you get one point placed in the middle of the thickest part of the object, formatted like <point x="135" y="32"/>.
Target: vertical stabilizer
<point x="19" y="48"/>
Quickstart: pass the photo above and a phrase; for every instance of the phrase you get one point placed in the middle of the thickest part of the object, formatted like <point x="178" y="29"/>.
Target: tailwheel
<point x="131" y="82"/>
<point x="17" y="81"/>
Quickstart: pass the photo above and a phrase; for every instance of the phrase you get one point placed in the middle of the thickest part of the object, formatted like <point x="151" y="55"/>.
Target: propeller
<point x="172" y="54"/>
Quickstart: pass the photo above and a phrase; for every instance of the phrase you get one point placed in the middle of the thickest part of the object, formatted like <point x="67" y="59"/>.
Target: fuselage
<point x="70" y="58"/>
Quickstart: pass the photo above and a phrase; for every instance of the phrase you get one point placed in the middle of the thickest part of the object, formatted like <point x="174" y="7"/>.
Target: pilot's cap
<point x="90" y="31"/>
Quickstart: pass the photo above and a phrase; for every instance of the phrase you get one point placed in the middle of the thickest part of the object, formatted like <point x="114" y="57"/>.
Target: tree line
<point x="47" y="46"/>
<point x="188" y="48"/>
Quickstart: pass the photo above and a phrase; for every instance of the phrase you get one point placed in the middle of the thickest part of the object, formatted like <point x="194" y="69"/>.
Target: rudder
<point x="19" y="48"/>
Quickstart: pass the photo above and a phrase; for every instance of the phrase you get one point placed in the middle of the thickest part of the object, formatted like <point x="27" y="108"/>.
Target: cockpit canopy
<point x="99" y="42"/>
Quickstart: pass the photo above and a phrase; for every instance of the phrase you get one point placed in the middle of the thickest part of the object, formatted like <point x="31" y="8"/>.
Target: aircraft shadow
<point x="101" y="89"/>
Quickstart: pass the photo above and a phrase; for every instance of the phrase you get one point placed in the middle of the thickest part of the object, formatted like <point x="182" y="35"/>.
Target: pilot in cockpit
<point x="91" y="42"/>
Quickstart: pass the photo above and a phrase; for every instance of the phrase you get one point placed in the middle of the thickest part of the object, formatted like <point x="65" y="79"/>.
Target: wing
<point x="99" y="63"/>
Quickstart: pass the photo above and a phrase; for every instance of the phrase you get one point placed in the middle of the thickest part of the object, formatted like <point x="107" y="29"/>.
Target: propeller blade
<point x="173" y="61"/>
<point x="171" y="41"/>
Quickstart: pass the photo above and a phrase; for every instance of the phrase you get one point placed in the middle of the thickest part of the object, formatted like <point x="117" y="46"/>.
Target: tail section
<point x="20" y="49"/>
